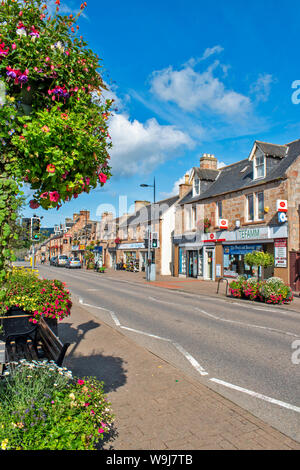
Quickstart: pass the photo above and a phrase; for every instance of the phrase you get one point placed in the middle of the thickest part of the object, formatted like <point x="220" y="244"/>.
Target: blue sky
<point x="189" y="77"/>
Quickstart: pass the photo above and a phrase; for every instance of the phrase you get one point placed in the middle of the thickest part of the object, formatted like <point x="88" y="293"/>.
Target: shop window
<point x="182" y="261"/>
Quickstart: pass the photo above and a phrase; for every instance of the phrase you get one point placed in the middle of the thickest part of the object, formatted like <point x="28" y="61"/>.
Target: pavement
<point x="156" y="406"/>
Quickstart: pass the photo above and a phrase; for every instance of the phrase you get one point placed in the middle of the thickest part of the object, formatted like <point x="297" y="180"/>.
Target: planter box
<point x="19" y="323"/>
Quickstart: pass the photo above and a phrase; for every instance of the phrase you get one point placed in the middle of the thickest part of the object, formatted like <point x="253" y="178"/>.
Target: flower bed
<point x="272" y="290"/>
<point x="41" y="297"/>
<point x="44" y="408"/>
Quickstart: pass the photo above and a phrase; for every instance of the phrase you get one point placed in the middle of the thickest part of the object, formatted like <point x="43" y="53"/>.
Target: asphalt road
<point x="244" y="352"/>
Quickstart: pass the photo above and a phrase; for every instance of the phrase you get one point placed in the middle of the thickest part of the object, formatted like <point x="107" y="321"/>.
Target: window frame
<point x="196" y="186"/>
<point x="257" y="206"/>
<point x="261" y="155"/>
<point x="218" y="215"/>
<point x="248" y="219"/>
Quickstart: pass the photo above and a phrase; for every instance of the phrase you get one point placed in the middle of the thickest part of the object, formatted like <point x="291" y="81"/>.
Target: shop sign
<point x="241" y="249"/>
<point x="280" y="253"/>
<point x="132" y="246"/>
<point x="257" y="233"/>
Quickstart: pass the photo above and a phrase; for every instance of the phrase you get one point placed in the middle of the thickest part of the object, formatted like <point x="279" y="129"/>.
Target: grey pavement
<point x="158" y="407"/>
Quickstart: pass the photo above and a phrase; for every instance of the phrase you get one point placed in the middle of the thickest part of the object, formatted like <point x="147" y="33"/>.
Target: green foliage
<point x="44" y="408"/>
<point x="259" y="258"/>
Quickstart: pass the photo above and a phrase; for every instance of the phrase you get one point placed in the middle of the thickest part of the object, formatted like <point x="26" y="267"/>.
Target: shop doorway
<point x="209" y="263"/>
<point x="193" y="263"/>
<point x="295" y="270"/>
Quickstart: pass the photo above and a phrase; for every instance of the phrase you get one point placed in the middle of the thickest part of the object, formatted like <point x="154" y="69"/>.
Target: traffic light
<point x="154" y="240"/>
<point x="26" y="229"/>
<point x="35" y="228"/>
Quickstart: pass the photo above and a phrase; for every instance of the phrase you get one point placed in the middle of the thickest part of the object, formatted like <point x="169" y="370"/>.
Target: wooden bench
<point x="38" y="343"/>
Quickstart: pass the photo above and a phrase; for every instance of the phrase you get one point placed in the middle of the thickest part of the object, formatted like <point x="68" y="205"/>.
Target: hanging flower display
<point x="53" y="88"/>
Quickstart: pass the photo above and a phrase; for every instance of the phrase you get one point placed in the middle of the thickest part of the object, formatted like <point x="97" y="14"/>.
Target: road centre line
<point x="187" y="355"/>
<point x="250" y="325"/>
<point x="257" y="395"/>
<point x="189" y="294"/>
<point x="198" y="367"/>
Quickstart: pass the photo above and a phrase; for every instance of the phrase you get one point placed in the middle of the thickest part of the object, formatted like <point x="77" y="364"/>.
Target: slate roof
<point x="150" y="212"/>
<point x="272" y="149"/>
<point x="206" y="174"/>
<point x="239" y="175"/>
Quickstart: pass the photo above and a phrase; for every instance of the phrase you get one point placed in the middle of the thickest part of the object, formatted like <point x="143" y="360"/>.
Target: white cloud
<point x="207" y="53"/>
<point x="141" y="147"/>
<point x="197" y="91"/>
<point x="262" y="87"/>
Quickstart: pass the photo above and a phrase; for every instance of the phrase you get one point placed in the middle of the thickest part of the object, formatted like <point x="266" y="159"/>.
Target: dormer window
<point x="259" y="165"/>
<point x="196" y="188"/>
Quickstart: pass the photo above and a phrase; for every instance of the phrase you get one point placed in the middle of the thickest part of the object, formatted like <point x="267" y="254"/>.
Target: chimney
<point x="85" y="214"/>
<point x="184" y="187"/>
<point x="139" y="204"/>
<point x="208" y="162"/>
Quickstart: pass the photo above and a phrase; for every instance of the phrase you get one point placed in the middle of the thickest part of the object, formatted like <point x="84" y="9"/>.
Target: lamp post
<point x="148" y="274"/>
<point x="150" y="186"/>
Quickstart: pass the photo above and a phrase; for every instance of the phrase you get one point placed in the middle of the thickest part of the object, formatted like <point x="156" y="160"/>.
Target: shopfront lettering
<point x="253" y="233"/>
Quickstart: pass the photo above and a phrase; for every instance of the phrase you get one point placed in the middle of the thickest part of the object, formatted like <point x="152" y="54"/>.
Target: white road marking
<point x="145" y="334"/>
<point x="187" y="355"/>
<point x="113" y="315"/>
<point x="191" y="359"/>
<point x="257" y="395"/>
<point x="274" y="330"/>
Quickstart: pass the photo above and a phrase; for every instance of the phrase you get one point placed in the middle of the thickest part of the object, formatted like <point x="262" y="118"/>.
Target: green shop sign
<point x="253" y="233"/>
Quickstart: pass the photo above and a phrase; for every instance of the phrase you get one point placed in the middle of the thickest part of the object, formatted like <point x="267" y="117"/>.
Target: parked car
<point x="62" y="260"/>
<point x="53" y="261"/>
<point x="73" y="263"/>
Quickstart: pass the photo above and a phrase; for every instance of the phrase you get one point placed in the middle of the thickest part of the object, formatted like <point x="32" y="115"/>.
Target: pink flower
<point x="54" y="196"/>
<point x="80" y="382"/>
<point x="87" y="180"/>
<point x="100" y="430"/>
<point x="14" y="46"/>
<point x="102" y="178"/>
<point x="44" y="195"/>
<point x="45" y="129"/>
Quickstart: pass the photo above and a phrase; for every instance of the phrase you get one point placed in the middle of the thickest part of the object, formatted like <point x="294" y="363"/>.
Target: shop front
<point x="190" y="261"/>
<point x="132" y="255"/>
<point x="224" y="252"/>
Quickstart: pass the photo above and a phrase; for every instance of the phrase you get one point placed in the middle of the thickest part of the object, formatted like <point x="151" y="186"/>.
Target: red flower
<point x="50" y="168"/>
<point x="33" y="204"/>
<point x="54" y="196"/>
<point x="102" y="178"/>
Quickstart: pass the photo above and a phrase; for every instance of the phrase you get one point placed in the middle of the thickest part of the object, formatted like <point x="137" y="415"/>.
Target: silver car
<point x="62" y="260"/>
<point x="73" y="263"/>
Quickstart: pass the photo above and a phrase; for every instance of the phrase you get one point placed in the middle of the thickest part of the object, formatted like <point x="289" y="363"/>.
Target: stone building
<point x="250" y="205"/>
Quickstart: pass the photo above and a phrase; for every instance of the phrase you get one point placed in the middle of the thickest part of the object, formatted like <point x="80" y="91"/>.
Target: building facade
<point x="251" y="205"/>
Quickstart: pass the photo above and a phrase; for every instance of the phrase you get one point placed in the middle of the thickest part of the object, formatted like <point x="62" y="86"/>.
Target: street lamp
<point x="150" y="186"/>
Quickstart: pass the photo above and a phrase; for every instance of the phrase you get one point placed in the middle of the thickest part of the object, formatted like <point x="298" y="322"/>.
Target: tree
<point x="259" y="259"/>
<point x="53" y="118"/>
